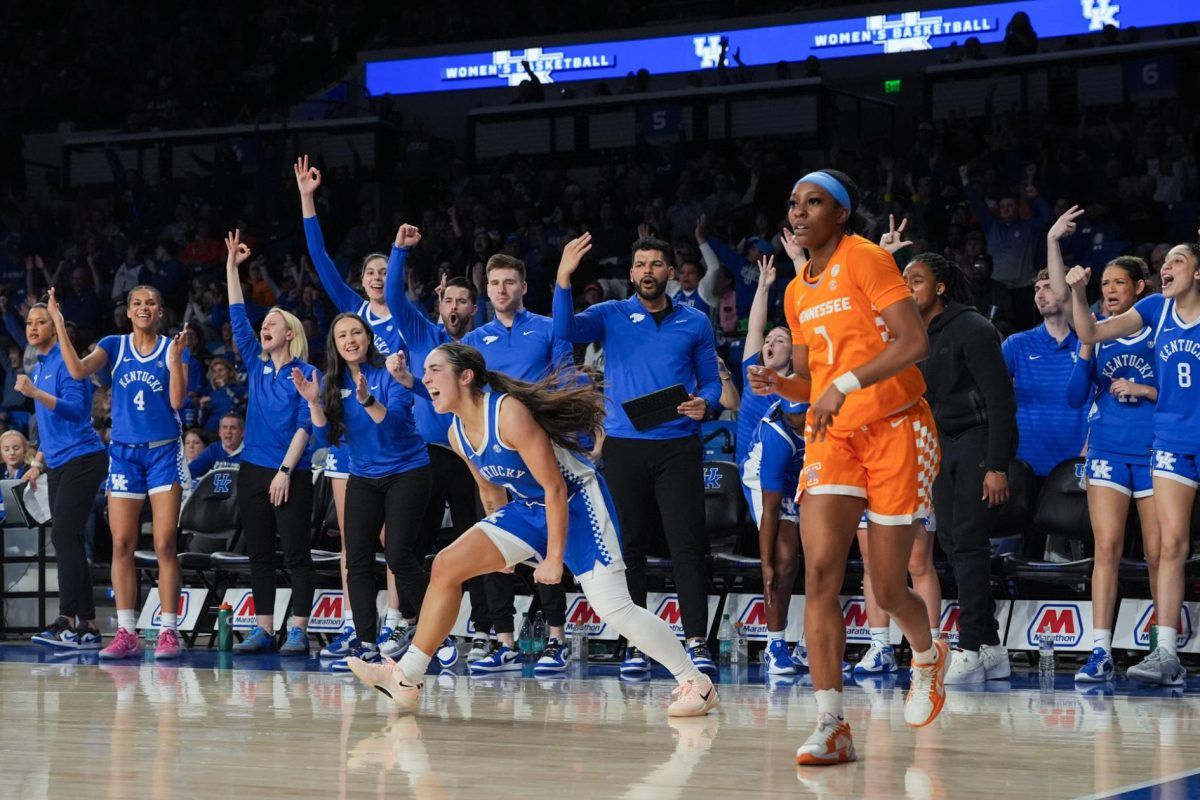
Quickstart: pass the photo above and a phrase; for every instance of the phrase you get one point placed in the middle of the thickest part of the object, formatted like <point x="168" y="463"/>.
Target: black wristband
<point x="285" y="469"/>
<point x="370" y="401"/>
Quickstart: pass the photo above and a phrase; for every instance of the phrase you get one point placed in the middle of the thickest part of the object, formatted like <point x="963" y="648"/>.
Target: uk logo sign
<point x="712" y="479"/>
<point x="222" y="482"/>
<point x="1141" y="633"/>
<point x="1063" y="620"/>
<point x="582" y="618"/>
<point x="1099" y="13"/>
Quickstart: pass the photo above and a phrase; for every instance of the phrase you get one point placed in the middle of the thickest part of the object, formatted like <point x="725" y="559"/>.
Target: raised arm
<point x="1063" y="226"/>
<point x="408" y="316"/>
<point x="755" y="331"/>
<point x="1086" y="327"/>
<point x="587" y="326"/>
<point x="237" y="252"/>
<point x="177" y="369"/>
<point x="92" y="363"/>
<point x="308" y="179"/>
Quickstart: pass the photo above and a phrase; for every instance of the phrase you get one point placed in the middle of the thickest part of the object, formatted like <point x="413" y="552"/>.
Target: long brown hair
<point x="566" y="407"/>
<point x="335" y="367"/>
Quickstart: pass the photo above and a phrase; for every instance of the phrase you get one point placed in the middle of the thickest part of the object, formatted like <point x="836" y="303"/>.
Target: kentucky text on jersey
<point x="1135" y="362"/>
<point x="141" y="376"/>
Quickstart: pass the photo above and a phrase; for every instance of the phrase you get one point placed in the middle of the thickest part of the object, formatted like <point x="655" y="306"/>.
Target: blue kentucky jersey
<point x="1177" y="347"/>
<point x="753" y="408"/>
<point x="775" y="456"/>
<point x="141" y="397"/>
<point x="388" y="338"/>
<point x="682" y="298"/>
<point x="502" y="465"/>
<point x="1125" y="427"/>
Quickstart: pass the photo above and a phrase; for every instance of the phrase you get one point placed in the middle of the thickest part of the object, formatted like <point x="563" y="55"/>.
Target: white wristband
<point x="847" y="382"/>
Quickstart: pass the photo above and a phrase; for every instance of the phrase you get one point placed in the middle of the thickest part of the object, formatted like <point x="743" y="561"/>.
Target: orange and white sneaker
<point x="694" y="697"/>
<point x="388" y="678"/>
<point x="831" y="743"/>
<point x="927" y="692"/>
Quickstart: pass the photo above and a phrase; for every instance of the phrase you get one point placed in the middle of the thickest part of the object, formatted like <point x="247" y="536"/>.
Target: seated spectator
<point x="225" y="453"/>
<point x="990" y="297"/>
<point x="193" y="443"/>
<point x="222" y="394"/>
<point x="14" y="455"/>
<point x="1040" y="363"/>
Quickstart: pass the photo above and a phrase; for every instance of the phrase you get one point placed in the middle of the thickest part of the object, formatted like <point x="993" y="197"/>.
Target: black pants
<point x="656" y="481"/>
<point x="497" y="611"/>
<point x="291" y="522"/>
<point x="964" y="528"/>
<point x="397" y="501"/>
<point x="72" y="489"/>
<point x="451" y="485"/>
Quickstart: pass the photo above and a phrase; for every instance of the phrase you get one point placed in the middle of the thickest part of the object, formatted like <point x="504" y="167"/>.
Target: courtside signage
<point x="751" y="611"/>
<point x="328" y="609"/>
<point x="950" y="614"/>
<point x="189" y="609"/>
<point x="905" y="31"/>
<point x="1069" y="622"/>
<point x="582" y="617"/>
<point x="1132" y="631"/>
<point x="245" y="615"/>
<point x="666" y="607"/>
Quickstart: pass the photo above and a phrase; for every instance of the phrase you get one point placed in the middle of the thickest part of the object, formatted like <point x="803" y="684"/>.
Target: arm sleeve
<point x="775" y="457"/>
<point x="243" y="334"/>
<point x="1008" y="350"/>
<point x="419" y="390"/>
<point x="986" y="363"/>
<point x="12" y="324"/>
<point x="202" y="463"/>
<point x="587" y="326"/>
<point x="708" y="284"/>
<point x="345" y="298"/>
<point x="410" y="318"/>
<point x="708" y="377"/>
<point x="72" y="404"/>
<point x="303" y="415"/>
<point x="1080" y="384"/>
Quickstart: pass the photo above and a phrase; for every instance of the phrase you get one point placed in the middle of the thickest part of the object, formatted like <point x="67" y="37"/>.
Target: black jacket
<point x="968" y="382"/>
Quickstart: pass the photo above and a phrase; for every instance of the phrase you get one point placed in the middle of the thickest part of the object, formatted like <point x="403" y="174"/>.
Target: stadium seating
<point x="1061" y="512"/>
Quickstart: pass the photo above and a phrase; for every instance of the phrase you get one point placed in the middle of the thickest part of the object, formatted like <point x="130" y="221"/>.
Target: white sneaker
<point x="879" y="659"/>
<point x="830" y="743"/>
<point x="927" y="691"/>
<point x="966" y="667"/>
<point x="995" y="661"/>
<point x="480" y="647"/>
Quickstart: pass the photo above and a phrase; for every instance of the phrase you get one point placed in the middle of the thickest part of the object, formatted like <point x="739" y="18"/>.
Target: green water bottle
<point x="225" y="628"/>
<point x="1153" y="632"/>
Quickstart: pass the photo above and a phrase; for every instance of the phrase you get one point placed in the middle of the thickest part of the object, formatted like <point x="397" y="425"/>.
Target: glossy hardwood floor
<point x="210" y="728"/>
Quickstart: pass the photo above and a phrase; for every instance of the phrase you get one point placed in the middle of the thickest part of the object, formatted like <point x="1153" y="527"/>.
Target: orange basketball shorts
<point x="890" y="463"/>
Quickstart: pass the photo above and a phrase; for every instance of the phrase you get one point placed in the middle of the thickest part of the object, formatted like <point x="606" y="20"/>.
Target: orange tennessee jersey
<point x="838" y="319"/>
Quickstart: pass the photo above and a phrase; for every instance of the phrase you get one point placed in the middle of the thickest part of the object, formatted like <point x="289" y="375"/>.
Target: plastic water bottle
<point x="525" y="638"/>
<point x="579" y="645"/>
<point x="1153" y="632"/>
<point x="539" y="634"/>
<point x="1045" y="653"/>
<point x="741" y="645"/>
<point x="225" y="628"/>
<point x="725" y="640"/>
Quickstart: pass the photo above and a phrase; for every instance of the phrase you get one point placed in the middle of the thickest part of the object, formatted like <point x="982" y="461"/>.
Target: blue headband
<point x="829" y="184"/>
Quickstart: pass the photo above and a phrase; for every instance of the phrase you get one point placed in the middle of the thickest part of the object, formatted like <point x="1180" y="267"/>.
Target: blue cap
<point x="762" y="245"/>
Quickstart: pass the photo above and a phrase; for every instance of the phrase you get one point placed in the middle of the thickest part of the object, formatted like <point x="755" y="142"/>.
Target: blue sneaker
<point x="385" y="633"/>
<point x="501" y="659"/>
<point x="553" y="660"/>
<point x="340" y="647"/>
<point x="635" y="663"/>
<point x="800" y="658"/>
<point x="59" y="634"/>
<point x="447" y="653"/>
<point x="296" y="644"/>
<point x="397" y="642"/>
<point x="879" y="659"/>
<point x="703" y="660"/>
<point x="1098" y="669"/>
<point x="366" y="652"/>
<point x="777" y="659"/>
<point x="259" y="641"/>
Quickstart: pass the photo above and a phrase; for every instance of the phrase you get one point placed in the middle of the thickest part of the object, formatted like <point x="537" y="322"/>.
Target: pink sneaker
<point x="168" y="645"/>
<point x="693" y="698"/>
<point x="123" y="645"/>
<point x="389" y="679"/>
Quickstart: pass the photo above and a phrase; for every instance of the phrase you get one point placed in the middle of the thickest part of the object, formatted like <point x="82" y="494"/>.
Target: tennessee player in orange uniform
<point x="856" y="337"/>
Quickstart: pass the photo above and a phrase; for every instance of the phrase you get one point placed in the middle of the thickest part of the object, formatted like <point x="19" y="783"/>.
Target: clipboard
<point x="654" y="409"/>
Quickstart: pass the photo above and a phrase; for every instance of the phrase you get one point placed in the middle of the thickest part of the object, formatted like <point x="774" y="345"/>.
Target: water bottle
<point x="741" y="645"/>
<point x="725" y="640"/>
<point x="1045" y="653"/>
<point x="579" y="645"/>
<point x="225" y="628"/>
<point x="539" y="634"/>
<point x="1153" y="631"/>
<point x="525" y="638"/>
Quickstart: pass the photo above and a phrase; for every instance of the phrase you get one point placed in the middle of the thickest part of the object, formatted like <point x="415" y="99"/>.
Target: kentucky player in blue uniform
<point x="388" y="340"/>
<point x="525" y="439"/>
<point x="1115" y="380"/>
<point x="1174" y="318"/>
<point x="770" y="475"/>
<point x="149" y="385"/>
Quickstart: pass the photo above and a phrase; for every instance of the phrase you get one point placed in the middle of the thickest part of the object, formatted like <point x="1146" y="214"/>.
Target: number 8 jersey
<point x="141" y="399"/>
<point x="1177" y="346"/>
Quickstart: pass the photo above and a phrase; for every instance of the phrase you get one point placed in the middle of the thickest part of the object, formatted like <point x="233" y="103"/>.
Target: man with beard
<point x="651" y="343"/>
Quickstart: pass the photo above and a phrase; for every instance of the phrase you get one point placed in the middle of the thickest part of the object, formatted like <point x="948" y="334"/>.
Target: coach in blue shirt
<point x="650" y="344"/>
<point x="1040" y="362"/>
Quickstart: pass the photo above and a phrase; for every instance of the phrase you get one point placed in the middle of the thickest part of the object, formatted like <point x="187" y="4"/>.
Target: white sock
<point x="127" y="619"/>
<point x="1103" y="638"/>
<point x="829" y="701"/>
<point x="392" y="618"/>
<point x="775" y="636"/>
<point x="170" y="621"/>
<point x="347" y="620"/>
<point x="414" y="663"/>
<point x="936" y="633"/>
<point x="608" y="594"/>
<point x="925" y="657"/>
<point x="879" y="636"/>
<point x="1167" y="639"/>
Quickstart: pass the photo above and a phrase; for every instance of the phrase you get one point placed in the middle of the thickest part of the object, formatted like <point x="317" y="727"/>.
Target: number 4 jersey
<point x="141" y="399"/>
<point x="1177" y="352"/>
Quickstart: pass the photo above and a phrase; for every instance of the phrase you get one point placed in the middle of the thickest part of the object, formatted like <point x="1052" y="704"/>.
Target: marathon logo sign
<point x="1069" y="623"/>
<point x="666" y="607"/>
<point x="245" y="615"/>
<point x="751" y="611"/>
<point x="581" y="617"/>
<point x="1136" y="617"/>
<point x="949" y="620"/>
<point x="190" y="606"/>
<point x="328" y="610"/>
